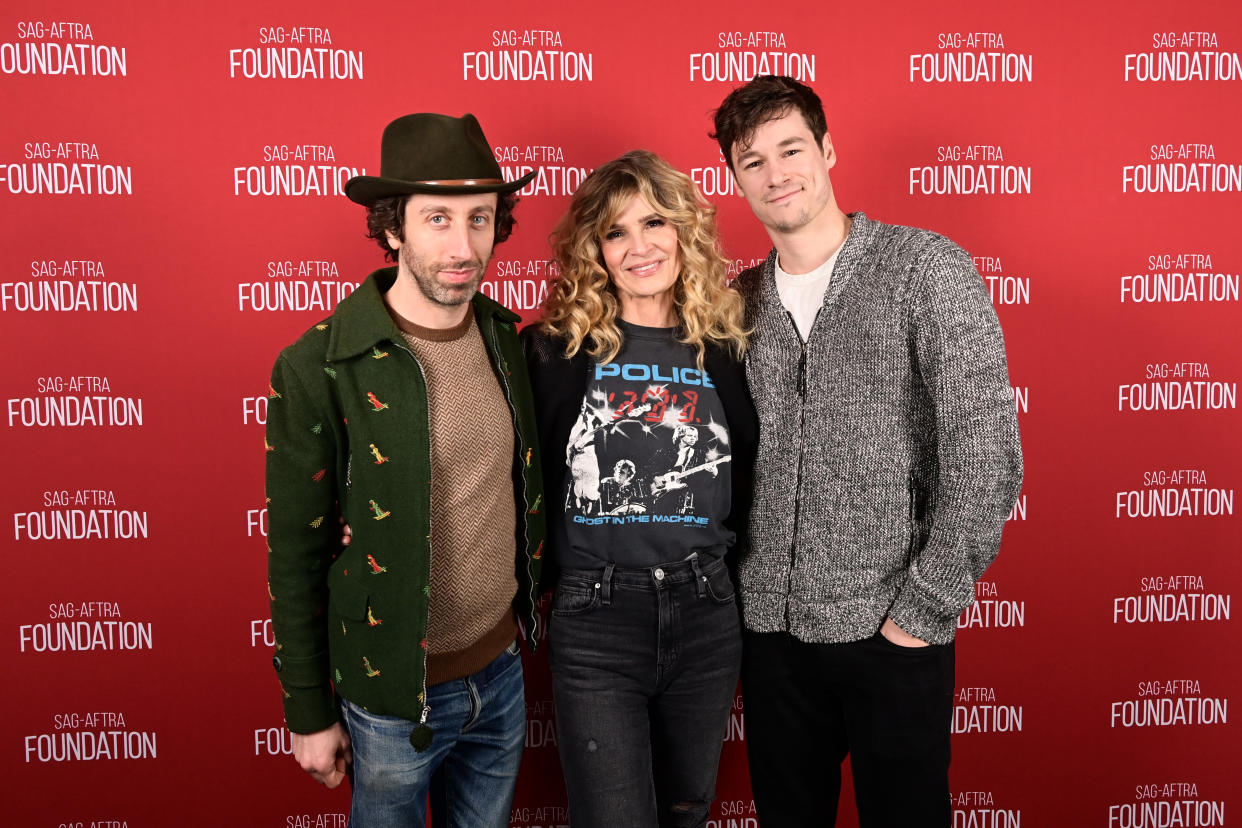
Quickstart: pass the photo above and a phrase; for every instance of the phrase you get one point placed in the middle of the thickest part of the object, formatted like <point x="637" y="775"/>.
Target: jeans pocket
<point x="356" y="716"/>
<point x="574" y="598"/>
<point x="720" y="585"/>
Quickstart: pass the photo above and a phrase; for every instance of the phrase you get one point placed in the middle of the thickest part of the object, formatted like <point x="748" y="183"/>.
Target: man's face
<point x="783" y="173"/>
<point x="448" y="242"/>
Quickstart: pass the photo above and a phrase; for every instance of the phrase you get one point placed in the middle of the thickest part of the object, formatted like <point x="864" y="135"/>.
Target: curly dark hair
<point x="387" y="215"/>
<point x="764" y="99"/>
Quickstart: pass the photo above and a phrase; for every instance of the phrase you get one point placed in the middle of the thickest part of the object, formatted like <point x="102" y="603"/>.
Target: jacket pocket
<point x="349" y="603"/>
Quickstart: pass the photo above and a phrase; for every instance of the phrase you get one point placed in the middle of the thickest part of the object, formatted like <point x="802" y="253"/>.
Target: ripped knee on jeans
<point x="689" y="813"/>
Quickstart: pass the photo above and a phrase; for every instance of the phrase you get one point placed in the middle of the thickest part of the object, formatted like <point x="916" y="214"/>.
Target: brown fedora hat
<point x="429" y="153"/>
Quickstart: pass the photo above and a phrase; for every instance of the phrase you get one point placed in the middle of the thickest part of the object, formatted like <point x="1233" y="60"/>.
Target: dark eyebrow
<point x="746" y="153"/>
<point x="796" y="139"/>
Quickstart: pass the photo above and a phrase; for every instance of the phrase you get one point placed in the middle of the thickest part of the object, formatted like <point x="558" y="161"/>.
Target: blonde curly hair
<point x="582" y="306"/>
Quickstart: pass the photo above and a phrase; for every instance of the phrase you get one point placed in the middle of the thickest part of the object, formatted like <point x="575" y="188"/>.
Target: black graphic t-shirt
<point x="648" y="459"/>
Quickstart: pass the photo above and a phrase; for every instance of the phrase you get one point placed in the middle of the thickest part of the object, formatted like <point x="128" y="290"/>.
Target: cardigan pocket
<point x="911" y="520"/>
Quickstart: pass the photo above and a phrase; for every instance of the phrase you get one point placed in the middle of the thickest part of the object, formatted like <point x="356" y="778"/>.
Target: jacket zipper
<point x="533" y="619"/>
<point x="422" y="719"/>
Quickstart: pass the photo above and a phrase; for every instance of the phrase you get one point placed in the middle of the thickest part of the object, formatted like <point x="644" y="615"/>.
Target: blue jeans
<point x="644" y="669"/>
<point x="470" y="769"/>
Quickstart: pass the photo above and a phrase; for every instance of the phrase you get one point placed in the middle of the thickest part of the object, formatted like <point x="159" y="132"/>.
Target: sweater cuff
<point x="921" y="616"/>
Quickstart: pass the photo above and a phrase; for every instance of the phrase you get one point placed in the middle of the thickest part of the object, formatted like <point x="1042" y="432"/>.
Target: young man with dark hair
<point x="888" y="461"/>
<point x="408" y="414"/>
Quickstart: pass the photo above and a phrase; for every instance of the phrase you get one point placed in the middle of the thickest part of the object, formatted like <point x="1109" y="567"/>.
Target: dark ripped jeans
<point x="644" y="667"/>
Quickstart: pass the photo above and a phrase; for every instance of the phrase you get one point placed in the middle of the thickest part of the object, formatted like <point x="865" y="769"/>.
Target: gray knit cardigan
<point x="888" y="447"/>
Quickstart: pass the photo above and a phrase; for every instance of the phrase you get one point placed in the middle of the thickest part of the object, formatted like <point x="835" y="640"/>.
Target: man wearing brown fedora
<point x="408" y="414"/>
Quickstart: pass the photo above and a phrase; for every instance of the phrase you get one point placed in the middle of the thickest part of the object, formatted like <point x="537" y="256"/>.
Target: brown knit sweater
<point x="472" y="528"/>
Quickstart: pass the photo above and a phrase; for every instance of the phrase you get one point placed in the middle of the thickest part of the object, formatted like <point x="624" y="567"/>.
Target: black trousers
<point x="889" y="708"/>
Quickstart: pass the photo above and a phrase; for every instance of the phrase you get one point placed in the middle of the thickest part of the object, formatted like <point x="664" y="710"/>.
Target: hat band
<point x="462" y="182"/>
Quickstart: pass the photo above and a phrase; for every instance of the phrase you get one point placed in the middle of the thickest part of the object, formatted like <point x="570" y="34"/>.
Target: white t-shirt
<point x="802" y="295"/>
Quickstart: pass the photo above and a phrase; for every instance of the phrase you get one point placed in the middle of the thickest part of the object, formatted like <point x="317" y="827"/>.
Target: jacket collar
<point x="361" y="319"/>
<point x="853" y="251"/>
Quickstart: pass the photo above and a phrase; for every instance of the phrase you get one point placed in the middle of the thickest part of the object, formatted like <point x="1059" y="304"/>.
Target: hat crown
<point x="431" y="153"/>
<point x="431" y="147"/>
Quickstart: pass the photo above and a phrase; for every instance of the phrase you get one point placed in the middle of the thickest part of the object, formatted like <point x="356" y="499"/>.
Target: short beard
<point x="425" y="277"/>
<point x="807" y="214"/>
<point x="795" y="223"/>
<point x="787" y="226"/>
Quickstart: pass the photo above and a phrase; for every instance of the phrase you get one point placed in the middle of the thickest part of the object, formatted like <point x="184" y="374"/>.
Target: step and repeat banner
<point x="171" y="181"/>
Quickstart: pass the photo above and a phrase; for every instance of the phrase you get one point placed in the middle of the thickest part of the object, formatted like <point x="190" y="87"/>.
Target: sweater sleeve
<point x="303" y="540"/>
<point x="960" y="360"/>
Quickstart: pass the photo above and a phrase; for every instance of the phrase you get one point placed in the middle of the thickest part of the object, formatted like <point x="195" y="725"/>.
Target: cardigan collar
<point x="853" y="251"/>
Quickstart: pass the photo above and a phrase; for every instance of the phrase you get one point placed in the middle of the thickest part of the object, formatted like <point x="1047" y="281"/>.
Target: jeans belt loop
<point x="605" y="594"/>
<point x="700" y="581"/>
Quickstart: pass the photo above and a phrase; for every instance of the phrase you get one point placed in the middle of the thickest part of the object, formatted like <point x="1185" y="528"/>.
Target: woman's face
<point x="641" y="253"/>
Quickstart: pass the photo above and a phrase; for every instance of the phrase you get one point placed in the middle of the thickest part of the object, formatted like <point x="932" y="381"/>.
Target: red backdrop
<point x="170" y="183"/>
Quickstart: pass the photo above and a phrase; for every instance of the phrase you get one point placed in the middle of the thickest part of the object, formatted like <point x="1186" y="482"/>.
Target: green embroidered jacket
<point x="347" y="436"/>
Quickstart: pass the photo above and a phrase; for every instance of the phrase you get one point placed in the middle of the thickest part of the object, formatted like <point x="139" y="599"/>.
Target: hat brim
<point x="366" y="189"/>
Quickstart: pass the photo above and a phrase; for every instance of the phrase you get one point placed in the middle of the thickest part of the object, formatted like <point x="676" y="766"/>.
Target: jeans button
<point x="659" y="574"/>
